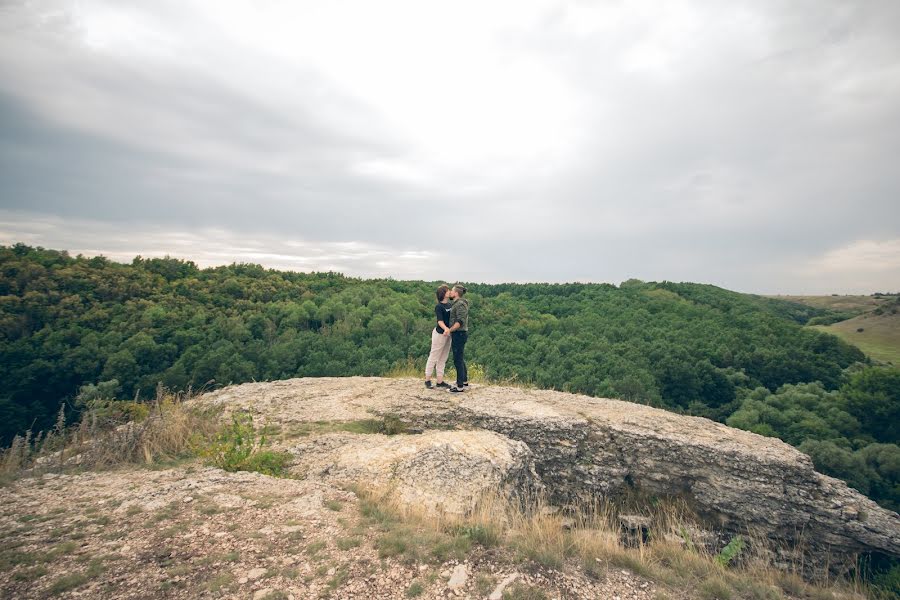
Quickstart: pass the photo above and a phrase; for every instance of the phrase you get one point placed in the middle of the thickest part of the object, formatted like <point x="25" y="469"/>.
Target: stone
<point x="571" y="446"/>
<point x="497" y="594"/>
<point x="458" y="578"/>
<point x="256" y="573"/>
<point x="260" y="594"/>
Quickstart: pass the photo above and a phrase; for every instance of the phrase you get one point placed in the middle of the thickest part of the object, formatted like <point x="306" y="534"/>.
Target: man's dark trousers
<point x="459" y="356"/>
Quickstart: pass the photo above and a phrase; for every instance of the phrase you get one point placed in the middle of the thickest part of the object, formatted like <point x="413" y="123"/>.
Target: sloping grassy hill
<point x="876" y="335"/>
<point x="841" y="303"/>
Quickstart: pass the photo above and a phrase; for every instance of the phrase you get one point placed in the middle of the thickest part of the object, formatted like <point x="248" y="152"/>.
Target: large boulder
<point x="575" y="446"/>
<point x="437" y="471"/>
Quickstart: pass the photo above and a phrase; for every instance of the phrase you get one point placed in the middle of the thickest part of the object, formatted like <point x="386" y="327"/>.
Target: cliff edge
<point x="569" y="446"/>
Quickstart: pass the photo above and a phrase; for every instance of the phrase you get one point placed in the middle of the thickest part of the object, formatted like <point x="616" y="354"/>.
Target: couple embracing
<point x="451" y="331"/>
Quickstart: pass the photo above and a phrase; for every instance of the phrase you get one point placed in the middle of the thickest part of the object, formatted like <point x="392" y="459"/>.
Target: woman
<point x="440" y="339"/>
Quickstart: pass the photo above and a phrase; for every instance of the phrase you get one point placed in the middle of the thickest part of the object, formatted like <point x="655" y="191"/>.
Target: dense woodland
<point x="74" y="327"/>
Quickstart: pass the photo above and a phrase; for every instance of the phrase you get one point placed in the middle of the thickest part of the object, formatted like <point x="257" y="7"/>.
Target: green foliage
<point x="415" y="590"/>
<point x="99" y="331"/>
<point x="873" y="397"/>
<point x="237" y="447"/>
<point x="839" y="429"/>
<point x="730" y="551"/>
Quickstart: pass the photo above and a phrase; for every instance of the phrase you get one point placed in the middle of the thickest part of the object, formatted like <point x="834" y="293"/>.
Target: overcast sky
<point x="753" y="145"/>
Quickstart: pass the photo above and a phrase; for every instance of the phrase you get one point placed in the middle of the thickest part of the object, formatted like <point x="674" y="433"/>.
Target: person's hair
<point x="460" y="289"/>
<point x="441" y="293"/>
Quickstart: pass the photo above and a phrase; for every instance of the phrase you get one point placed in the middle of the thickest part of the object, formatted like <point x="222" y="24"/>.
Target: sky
<point x="750" y="144"/>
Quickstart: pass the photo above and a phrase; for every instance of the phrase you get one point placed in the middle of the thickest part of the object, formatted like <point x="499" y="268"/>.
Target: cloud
<point x="731" y="143"/>
<point x="212" y="247"/>
<point x="864" y="256"/>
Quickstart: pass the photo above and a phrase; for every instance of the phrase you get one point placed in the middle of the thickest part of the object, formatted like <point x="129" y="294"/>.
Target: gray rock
<point x="497" y="594"/>
<point x="572" y="446"/>
<point x="458" y="578"/>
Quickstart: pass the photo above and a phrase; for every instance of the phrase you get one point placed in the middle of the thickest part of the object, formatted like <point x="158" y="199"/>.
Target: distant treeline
<point x="66" y="323"/>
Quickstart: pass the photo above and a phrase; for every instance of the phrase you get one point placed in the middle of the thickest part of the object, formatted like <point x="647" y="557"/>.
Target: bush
<point x="236" y="447"/>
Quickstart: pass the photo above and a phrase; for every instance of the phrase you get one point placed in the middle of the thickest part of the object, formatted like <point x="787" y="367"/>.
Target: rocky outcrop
<point x="571" y="445"/>
<point x="442" y="471"/>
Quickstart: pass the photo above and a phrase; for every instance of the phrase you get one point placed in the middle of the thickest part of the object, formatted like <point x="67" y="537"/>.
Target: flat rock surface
<point x="579" y="444"/>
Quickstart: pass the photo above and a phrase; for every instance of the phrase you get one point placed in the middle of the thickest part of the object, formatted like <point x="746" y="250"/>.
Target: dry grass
<point x="170" y="431"/>
<point x="588" y="537"/>
<point x="477" y="374"/>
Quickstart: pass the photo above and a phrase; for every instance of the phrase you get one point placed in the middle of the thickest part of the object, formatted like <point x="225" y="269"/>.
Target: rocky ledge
<point x="568" y="446"/>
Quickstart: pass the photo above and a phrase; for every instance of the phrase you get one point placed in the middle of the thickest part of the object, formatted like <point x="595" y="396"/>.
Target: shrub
<point x="731" y="551"/>
<point x="236" y="447"/>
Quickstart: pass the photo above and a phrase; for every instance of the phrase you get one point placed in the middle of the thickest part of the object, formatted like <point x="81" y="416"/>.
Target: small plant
<point x="334" y="505"/>
<point x="731" y="551"/>
<point x="67" y="582"/>
<point x="414" y="590"/>
<point x="524" y="592"/>
<point x="219" y="581"/>
<point x="237" y="448"/>
<point x="345" y="543"/>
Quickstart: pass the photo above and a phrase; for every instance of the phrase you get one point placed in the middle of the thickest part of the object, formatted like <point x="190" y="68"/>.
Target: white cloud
<point x="729" y="142"/>
<point x="866" y="256"/>
<point x="211" y="247"/>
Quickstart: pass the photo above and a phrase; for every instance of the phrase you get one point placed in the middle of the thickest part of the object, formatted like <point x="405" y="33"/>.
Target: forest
<point x="73" y="328"/>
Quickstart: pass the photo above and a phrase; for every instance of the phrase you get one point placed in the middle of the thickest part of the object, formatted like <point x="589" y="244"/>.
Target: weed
<point x="67" y="582"/>
<point x="346" y="543"/>
<point x="334" y="505"/>
<point x="715" y="589"/>
<point x="315" y="547"/>
<point x="484" y="584"/>
<point x="524" y="592"/>
<point x="30" y="574"/>
<point x="731" y="551"/>
<point x="219" y="581"/>
<point x="236" y="447"/>
<point x="414" y="590"/>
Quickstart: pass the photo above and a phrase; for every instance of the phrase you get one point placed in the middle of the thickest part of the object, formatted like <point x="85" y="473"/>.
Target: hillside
<point x="67" y="322"/>
<point x="876" y="331"/>
<point x="386" y="490"/>
<point x="843" y="303"/>
<point x="76" y="331"/>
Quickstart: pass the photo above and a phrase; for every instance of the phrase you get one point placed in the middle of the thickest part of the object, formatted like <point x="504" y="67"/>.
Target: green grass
<point x="879" y="338"/>
<point x="67" y="582"/>
<point x="849" y="304"/>
<point x="414" y="590"/>
<point x="218" y="582"/>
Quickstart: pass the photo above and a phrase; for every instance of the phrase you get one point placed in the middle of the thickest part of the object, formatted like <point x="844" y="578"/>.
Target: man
<point x="459" y="330"/>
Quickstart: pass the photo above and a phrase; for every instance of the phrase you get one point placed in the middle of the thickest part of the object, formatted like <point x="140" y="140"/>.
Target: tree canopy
<point x="69" y="322"/>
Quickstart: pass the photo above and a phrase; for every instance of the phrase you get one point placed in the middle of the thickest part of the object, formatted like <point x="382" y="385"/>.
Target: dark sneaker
<point x="442" y="384"/>
<point x="466" y="384"/>
<point x="457" y="390"/>
<point x="428" y="384"/>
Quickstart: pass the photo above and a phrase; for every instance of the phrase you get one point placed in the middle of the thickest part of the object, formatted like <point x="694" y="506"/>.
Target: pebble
<point x="254" y="574"/>
<point x="188" y="499"/>
<point x="259" y="594"/>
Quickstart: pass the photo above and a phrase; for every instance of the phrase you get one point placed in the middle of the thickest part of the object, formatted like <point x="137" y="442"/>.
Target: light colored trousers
<point x="437" y="358"/>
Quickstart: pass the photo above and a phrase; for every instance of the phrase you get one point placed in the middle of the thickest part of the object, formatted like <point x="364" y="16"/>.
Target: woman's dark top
<point x="441" y="313"/>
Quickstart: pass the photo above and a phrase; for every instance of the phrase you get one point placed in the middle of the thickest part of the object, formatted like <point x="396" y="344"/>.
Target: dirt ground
<point x="198" y="532"/>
